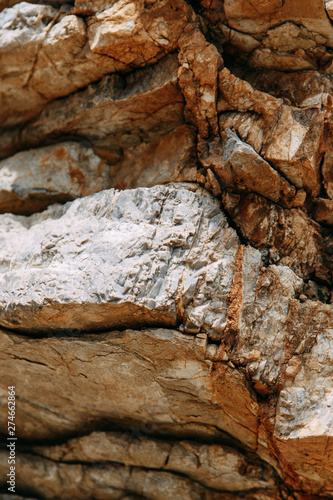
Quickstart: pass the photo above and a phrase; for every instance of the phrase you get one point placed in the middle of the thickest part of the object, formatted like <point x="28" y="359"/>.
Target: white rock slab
<point x="34" y="179"/>
<point x="114" y="259"/>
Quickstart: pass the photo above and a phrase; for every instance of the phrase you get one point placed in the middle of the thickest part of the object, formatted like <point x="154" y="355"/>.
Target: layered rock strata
<point x="166" y="197"/>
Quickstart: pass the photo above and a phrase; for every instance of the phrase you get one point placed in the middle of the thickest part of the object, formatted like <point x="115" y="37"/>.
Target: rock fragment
<point x="290" y="236"/>
<point x="237" y="165"/>
<point x="137" y="104"/>
<point x="200" y="63"/>
<point x="146" y="256"/>
<point x="173" y="158"/>
<point x="323" y="211"/>
<point x="32" y="180"/>
<point x="154" y="379"/>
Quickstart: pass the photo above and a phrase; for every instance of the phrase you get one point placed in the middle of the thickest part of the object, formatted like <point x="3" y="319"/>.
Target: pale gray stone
<point x="34" y="179"/>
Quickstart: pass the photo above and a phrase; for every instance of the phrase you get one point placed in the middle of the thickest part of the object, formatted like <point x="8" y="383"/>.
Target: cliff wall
<point x="166" y="214"/>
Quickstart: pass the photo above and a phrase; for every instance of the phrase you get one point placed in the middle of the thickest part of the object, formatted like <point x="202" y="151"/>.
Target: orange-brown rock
<point x="289" y="138"/>
<point x="323" y="211"/>
<point x="169" y="159"/>
<point x="137" y="103"/>
<point x="200" y="63"/>
<point x="237" y="165"/>
<point x="166" y="166"/>
<point x="48" y="53"/>
<point x="133" y="35"/>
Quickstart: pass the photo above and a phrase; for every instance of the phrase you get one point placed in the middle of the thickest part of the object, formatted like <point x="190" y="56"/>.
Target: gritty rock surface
<point x="137" y="257"/>
<point x="48" y="52"/>
<point x="215" y="466"/>
<point x="169" y="159"/>
<point x="179" y="393"/>
<point x="167" y="324"/>
<point x="32" y="180"/>
<point x="137" y="104"/>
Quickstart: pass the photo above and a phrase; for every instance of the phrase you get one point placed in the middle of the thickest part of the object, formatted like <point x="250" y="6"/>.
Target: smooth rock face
<point x="182" y="394"/>
<point x="32" y="180"/>
<point x="167" y="324"/>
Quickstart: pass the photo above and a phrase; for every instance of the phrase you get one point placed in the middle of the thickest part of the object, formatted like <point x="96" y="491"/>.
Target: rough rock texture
<point x="166" y="249"/>
<point x="172" y="158"/>
<point x="137" y="257"/>
<point x="32" y="180"/>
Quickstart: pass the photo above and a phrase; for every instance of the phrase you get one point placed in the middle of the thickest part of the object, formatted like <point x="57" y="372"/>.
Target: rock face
<point x="32" y="180"/>
<point x="166" y="249"/>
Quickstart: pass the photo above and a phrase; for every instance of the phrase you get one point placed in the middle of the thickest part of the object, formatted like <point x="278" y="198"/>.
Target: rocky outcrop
<point x="32" y="180"/>
<point x="166" y="213"/>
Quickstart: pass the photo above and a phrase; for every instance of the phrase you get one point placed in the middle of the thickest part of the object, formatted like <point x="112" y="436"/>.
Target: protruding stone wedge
<point x="32" y="180"/>
<point x="147" y="256"/>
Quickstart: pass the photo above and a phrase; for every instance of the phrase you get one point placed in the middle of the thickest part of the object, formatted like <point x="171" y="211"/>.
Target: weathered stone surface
<point x="289" y="138"/>
<point x="48" y="53"/>
<point x="291" y="238"/>
<point x="170" y="159"/>
<point x="119" y="241"/>
<point x="160" y="379"/>
<point x="307" y="89"/>
<point x="329" y="8"/>
<point x="32" y="180"/>
<point x="212" y="465"/>
<point x="323" y="211"/>
<point x="38" y="48"/>
<point x="327" y="168"/>
<point x="264" y="15"/>
<point x="223" y="387"/>
<point x="238" y="94"/>
<point x="304" y="416"/>
<point x="134" y="35"/>
<point x="114" y="481"/>
<point x="200" y="62"/>
<point x="237" y="165"/>
<point x="114" y="112"/>
<point x="26" y="25"/>
<point x="289" y="47"/>
<point x="5" y="4"/>
<point x="295" y="147"/>
<point x="91" y="6"/>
